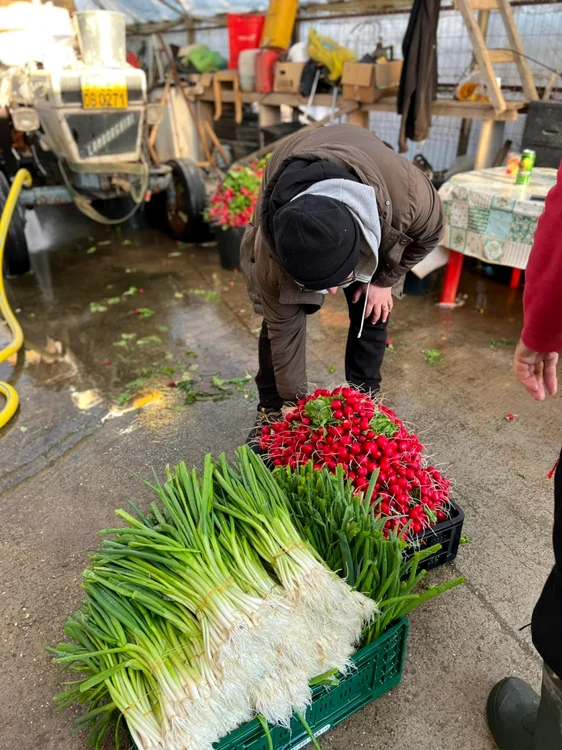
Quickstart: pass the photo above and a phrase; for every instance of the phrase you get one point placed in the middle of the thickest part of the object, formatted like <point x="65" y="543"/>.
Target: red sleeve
<point x="542" y="300"/>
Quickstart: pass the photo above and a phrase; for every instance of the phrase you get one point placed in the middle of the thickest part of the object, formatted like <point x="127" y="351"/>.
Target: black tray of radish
<point x="347" y="428"/>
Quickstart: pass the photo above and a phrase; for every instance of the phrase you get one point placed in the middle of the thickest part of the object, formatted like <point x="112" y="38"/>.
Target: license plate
<point x="98" y="93"/>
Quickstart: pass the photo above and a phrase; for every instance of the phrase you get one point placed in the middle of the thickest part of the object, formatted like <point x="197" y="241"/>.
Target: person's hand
<point x="536" y="371"/>
<point x="379" y="301"/>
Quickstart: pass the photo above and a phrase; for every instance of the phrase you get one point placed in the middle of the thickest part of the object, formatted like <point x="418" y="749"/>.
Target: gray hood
<point x="361" y="201"/>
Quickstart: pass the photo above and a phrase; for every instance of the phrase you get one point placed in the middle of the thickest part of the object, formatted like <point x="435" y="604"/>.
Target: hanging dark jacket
<point x="418" y="83"/>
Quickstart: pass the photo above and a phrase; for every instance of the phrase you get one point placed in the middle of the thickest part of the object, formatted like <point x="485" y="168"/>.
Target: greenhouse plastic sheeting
<point x="144" y="11"/>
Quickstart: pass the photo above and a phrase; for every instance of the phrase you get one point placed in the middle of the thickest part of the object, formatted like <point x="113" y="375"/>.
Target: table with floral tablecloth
<point x="487" y="216"/>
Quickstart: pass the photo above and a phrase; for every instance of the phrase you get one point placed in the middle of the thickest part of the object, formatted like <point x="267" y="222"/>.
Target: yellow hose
<point x="9" y="392"/>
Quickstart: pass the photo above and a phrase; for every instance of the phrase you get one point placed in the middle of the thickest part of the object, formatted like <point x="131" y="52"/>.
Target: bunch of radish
<point x="348" y="428"/>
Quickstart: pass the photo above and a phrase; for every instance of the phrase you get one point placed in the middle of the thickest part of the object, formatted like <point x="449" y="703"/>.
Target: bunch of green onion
<point x="205" y="611"/>
<point x="344" y="528"/>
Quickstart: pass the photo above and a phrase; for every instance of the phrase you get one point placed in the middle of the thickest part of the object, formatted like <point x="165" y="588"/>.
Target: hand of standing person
<point x="536" y="371"/>
<point x="379" y="301"/>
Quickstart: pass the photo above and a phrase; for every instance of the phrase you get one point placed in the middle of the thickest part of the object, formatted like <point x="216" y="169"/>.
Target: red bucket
<point x="265" y="70"/>
<point x="244" y="32"/>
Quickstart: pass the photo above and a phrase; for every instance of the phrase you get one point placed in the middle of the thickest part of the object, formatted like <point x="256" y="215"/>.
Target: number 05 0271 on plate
<point x="103" y="94"/>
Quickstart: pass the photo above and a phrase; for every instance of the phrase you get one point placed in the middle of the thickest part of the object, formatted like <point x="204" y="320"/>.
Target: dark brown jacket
<point x="411" y="219"/>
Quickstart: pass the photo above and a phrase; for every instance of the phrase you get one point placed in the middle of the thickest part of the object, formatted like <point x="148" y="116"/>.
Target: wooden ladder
<point x="486" y="58"/>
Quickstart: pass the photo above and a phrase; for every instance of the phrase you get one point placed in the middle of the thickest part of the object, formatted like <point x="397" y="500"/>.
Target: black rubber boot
<point x="512" y="714"/>
<point x="548" y="733"/>
<point x="519" y="720"/>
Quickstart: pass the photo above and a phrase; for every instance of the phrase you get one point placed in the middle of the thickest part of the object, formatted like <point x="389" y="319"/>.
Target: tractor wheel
<point x="183" y="219"/>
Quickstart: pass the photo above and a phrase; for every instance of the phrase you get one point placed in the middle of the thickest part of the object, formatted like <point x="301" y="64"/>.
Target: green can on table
<point x="528" y="158"/>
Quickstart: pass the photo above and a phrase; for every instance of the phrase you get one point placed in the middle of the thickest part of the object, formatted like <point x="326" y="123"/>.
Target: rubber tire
<point x="16" y="252"/>
<point x="187" y="178"/>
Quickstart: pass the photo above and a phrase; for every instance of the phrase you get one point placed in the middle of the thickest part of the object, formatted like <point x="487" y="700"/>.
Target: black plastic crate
<point x="447" y="533"/>
<point x="543" y="133"/>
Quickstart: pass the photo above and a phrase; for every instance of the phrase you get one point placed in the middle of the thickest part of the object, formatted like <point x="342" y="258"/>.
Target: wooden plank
<point x="484" y="5"/>
<point x="481" y="55"/>
<point x="547" y="93"/>
<point x="454" y="108"/>
<point x="483" y="21"/>
<point x="501" y="56"/>
<point x="444" y="107"/>
<point x="517" y="46"/>
<point x="359" y="117"/>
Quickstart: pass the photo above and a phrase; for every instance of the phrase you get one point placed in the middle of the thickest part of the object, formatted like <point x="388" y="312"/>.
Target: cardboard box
<point x="287" y="77"/>
<point x="369" y="82"/>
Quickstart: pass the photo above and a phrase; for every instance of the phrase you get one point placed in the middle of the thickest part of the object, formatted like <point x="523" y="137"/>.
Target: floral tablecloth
<point x="487" y="216"/>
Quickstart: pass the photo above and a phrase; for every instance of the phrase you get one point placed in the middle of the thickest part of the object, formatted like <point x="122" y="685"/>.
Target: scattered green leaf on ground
<point x="122" y="398"/>
<point x="163" y="329"/>
<point x="127" y="360"/>
<point x="207" y="294"/>
<point x="130" y="270"/>
<point x="465" y="540"/>
<point x="402" y="343"/>
<point x="145" y="312"/>
<point x="126" y="242"/>
<point x="128" y="336"/>
<point x="133" y="385"/>
<point x="109" y="286"/>
<point x="121" y="342"/>
<point x="331" y="369"/>
<point x="256" y="331"/>
<point x="178" y="295"/>
<point x="433" y="356"/>
<point x="91" y="250"/>
<point x="223" y="383"/>
<point x="149" y="340"/>
<point x="175" y="254"/>
<point x="97" y="307"/>
<point x="114" y="300"/>
<point x="103" y="243"/>
<point x="193" y="368"/>
<point x="168" y="356"/>
<point x="190" y="354"/>
<point x="496" y="343"/>
<point x="23" y="429"/>
<point x="521" y="476"/>
<point x="130" y="291"/>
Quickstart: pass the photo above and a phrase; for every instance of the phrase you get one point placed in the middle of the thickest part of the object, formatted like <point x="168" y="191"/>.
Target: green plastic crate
<point x="378" y="668"/>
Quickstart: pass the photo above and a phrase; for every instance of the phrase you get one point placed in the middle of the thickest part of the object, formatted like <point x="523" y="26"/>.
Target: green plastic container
<point x="378" y="668"/>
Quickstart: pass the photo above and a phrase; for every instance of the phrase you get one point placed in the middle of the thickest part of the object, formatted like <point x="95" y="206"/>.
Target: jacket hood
<point x="291" y="180"/>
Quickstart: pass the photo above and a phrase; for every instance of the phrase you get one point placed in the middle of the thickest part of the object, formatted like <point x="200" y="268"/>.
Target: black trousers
<point x="547" y="617"/>
<point x="363" y="357"/>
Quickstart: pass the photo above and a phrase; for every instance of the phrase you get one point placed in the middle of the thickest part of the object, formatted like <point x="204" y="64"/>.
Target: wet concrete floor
<point x="97" y="403"/>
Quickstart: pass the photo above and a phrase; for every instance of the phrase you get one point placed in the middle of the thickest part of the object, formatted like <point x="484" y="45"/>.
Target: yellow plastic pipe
<point x="9" y="392"/>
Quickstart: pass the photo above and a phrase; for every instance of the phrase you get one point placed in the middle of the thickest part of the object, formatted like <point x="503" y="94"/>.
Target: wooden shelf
<point x="442" y="107"/>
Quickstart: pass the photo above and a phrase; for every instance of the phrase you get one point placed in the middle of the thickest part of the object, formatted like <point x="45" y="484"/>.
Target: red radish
<point x="364" y="438"/>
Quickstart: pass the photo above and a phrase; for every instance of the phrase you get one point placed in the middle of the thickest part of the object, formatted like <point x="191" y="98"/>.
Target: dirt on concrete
<point x="99" y="402"/>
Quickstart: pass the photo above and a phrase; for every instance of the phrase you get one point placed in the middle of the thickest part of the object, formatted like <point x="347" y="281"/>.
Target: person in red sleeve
<point x="517" y="717"/>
